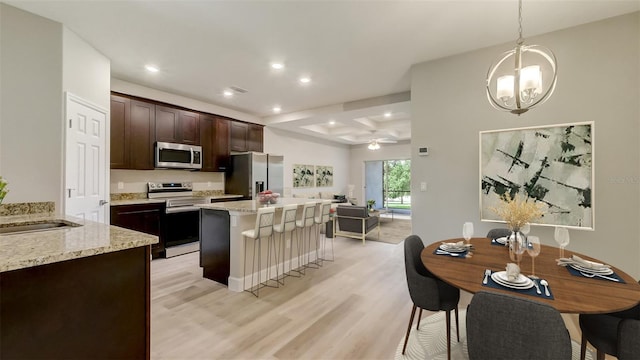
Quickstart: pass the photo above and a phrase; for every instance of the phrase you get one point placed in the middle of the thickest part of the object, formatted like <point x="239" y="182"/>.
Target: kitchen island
<point x="222" y="247"/>
<point x="77" y="290"/>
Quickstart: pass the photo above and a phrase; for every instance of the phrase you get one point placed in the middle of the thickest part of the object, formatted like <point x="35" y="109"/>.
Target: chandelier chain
<point x="520" y="39"/>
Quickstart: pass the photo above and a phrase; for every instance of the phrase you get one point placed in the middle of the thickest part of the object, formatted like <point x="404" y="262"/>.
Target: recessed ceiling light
<point x="387" y="114"/>
<point x="277" y="66"/>
<point x="305" y="80"/>
<point x="227" y="93"/>
<point x="332" y="122"/>
<point x="276" y="109"/>
<point x="152" y="68"/>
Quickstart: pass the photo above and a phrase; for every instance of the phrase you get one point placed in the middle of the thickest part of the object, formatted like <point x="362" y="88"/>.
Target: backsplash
<point x="27" y="208"/>
<point x="129" y="183"/>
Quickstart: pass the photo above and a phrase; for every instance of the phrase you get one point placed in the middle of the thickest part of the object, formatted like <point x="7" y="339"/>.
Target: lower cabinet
<point x="145" y="218"/>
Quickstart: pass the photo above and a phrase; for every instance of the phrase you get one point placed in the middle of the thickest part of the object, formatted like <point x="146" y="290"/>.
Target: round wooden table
<point x="572" y="294"/>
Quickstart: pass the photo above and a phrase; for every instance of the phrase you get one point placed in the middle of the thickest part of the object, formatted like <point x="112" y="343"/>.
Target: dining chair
<point x="427" y="291"/>
<point x="616" y="334"/>
<point x="502" y="326"/>
<point x="498" y="233"/>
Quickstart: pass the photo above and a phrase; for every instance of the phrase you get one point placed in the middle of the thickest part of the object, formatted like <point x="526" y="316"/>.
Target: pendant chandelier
<point x="373" y="145"/>
<point x="523" y="77"/>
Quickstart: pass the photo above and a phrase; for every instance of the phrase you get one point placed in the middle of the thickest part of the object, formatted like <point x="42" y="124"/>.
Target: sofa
<point x="355" y="222"/>
<point x="325" y="195"/>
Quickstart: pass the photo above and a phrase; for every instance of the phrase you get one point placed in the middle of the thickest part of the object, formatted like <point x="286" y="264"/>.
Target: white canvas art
<point x="550" y="165"/>
<point x="303" y="175"/>
<point x="324" y="176"/>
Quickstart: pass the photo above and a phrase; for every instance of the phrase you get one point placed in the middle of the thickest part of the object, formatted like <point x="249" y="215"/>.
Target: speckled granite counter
<point x="24" y="250"/>
<point x="252" y="206"/>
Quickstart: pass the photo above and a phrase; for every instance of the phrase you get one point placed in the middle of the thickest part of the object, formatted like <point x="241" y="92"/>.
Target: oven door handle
<point x="180" y="209"/>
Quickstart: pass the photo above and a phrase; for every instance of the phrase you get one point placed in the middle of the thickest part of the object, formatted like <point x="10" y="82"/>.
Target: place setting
<point x="578" y="266"/>
<point x="459" y="249"/>
<point x="512" y="279"/>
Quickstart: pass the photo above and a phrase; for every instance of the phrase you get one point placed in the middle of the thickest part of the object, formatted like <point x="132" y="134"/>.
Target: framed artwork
<point x="552" y="165"/>
<point x="302" y="176"/>
<point x="324" y="176"/>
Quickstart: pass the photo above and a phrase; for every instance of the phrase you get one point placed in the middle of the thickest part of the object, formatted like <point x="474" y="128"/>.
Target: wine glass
<point x="561" y="235"/>
<point x="467" y="231"/>
<point x="533" y="249"/>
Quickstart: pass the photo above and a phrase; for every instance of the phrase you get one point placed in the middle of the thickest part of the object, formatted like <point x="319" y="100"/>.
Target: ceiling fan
<point x="374" y="143"/>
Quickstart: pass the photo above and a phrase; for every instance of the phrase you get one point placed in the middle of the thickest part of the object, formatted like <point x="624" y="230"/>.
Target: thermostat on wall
<point x="423" y="151"/>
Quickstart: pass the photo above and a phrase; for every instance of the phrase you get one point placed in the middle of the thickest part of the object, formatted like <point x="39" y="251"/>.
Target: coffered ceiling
<point x="356" y="53"/>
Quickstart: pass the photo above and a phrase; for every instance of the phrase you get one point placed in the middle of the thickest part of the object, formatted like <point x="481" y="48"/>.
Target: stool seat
<point x="251" y="233"/>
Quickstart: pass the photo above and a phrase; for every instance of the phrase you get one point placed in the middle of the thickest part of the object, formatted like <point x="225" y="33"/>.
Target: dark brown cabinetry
<point x="132" y="133"/>
<point x="214" y="139"/>
<point x="96" y="307"/>
<point x="246" y="137"/>
<point x="145" y="218"/>
<point x="177" y="126"/>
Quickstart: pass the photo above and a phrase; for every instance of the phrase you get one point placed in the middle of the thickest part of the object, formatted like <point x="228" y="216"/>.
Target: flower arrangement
<point x="370" y="204"/>
<point x="3" y="189"/>
<point x="518" y="211"/>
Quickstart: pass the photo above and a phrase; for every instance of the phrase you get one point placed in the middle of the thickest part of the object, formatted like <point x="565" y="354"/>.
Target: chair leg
<point x="419" y="318"/>
<point x="457" y="324"/>
<point x="448" y="317"/>
<point x="406" y="338"/>
<point x="583" y="347"/>
<point x="599" y="354"/>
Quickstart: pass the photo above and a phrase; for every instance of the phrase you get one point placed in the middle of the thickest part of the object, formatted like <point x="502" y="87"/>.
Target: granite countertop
<point x="252" y="206"/>
<point x="24" y="250"/>
<point x="160" y="201"/>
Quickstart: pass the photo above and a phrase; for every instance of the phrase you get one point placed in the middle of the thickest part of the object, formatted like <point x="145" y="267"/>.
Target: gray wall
<point x="598" y="80"/>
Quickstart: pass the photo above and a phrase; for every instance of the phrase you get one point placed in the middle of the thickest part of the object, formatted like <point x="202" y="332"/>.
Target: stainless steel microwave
<point x="178" y="156"/>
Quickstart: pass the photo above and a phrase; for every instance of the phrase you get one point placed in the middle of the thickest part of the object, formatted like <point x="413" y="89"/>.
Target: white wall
<point x="129" y="88"/>
<point x="598" y="80"/>
<point x="31" y="145"/>
<point x="301" y="149"/>
<point x="359" y="154"/>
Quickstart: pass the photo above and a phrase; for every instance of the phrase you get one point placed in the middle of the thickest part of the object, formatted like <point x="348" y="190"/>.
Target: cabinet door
<point x="141" y="217"/>
<point x="120" y="112"/>
<point x="221" y="145"/>
<point x="167" y="124"/>
<point x="254" y="138"/>
<point x="207" y="141"/>
<point x="238" y="133"/>
<point x="188" y="128"/>
<point x="142" y="135"/>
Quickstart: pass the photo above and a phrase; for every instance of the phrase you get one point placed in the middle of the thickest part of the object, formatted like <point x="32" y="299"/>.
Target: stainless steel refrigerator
<point x="253" y="172"/>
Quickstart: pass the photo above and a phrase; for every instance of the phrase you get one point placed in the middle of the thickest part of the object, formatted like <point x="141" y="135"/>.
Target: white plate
<point x="453" y="249"/>
<point x="519" y="281"/>
<point x="525" y="285"/>
<point x="605" y="271"/>
<point x="502" y="240"/>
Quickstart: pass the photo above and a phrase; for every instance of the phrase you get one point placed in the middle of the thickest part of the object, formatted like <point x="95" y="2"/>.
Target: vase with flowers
<point x="517" y="212"/>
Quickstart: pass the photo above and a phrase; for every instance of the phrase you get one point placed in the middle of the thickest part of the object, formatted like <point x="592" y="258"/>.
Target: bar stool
<point x="321" y="220"/>
<point x="288" y="225"/>
<point x="305" y="225"/>
<point x="263" y="229"/>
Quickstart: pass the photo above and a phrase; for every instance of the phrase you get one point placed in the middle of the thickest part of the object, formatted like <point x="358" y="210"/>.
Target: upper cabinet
<point x="132" y="133"/>
<point x="214" y="139"/>
<point x="177" y="126"/>
<point x="246" y="137"/>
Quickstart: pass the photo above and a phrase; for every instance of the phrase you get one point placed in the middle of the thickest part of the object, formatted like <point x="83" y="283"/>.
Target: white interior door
<point x="86" y="162"/>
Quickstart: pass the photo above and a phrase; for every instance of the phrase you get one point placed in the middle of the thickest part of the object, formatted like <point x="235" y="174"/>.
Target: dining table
<point x="570" y="292"/>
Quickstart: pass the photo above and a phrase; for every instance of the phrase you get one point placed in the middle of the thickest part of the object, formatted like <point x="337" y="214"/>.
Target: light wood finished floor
<point x="354" y="308"/>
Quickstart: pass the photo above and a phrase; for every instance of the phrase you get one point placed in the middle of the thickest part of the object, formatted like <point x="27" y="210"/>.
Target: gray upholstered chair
<point x="427" y="291"/>
<point x="498" y="233"/>
<point x="616" y="334"/>
<point x="355" y="222"/>
<point x="501" y="326"/>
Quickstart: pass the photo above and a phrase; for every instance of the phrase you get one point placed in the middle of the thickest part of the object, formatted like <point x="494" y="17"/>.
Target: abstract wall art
<point x="324" y="176"/>
<point x="302" y="176"/>
<point x="551" y="165"/>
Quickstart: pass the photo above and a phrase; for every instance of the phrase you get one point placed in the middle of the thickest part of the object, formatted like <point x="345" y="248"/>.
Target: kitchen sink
<point x="36" y="226"/>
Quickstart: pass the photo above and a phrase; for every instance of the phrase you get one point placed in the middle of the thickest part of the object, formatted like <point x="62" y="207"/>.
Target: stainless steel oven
<point x="180" y="225"/>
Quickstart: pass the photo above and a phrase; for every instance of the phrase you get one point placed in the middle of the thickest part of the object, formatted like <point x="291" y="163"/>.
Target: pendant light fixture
<point x="373" y="145"/>
<point x="523" y="77"/>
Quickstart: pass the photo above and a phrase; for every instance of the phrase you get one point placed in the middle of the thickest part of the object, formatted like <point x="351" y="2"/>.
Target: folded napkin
<point x="577" y="260"/>
<point x="513" y="271"/>
<point x="501" y="240"/>
<point x="460" y="245"/>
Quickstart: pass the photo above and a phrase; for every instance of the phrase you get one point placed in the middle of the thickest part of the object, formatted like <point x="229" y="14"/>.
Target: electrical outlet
<point x="120" y="185"/>
<point x="423" y="186"/>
